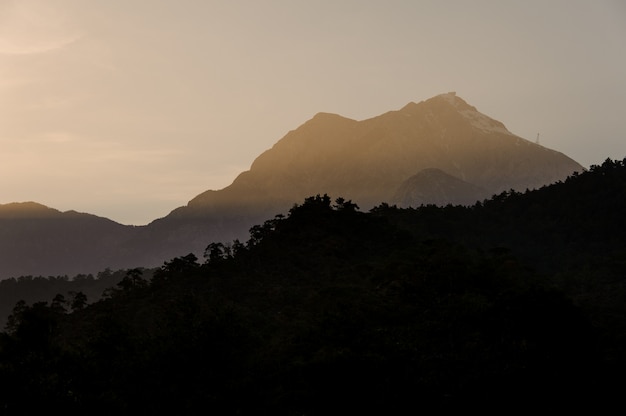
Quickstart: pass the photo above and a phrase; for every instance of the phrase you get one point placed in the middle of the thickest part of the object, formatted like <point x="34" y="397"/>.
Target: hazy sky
<point x="130" y="108"/>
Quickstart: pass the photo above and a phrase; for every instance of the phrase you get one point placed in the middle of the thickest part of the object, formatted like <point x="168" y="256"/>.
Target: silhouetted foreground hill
<point x="518" y="301"/>
<point x="441" y="150"/>
<point x="33" y="289"/>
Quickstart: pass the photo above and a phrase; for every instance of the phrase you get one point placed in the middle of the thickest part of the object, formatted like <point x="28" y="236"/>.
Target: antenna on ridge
<point x="537" y="141"/>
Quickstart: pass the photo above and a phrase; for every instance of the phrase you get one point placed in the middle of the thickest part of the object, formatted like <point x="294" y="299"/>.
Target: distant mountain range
<point x="438" y="151"/>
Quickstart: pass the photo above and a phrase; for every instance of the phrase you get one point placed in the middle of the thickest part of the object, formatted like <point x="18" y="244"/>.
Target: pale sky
<point x="128" y="109"/>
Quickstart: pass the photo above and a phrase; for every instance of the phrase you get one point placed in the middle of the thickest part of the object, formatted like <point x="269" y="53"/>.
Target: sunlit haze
<point x="128" y="109"/>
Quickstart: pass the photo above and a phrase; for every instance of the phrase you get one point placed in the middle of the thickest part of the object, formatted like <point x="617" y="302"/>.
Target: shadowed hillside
<point x="37" y="240"/>
<point x="433" y="186"/>
<point x="512" y="302"/>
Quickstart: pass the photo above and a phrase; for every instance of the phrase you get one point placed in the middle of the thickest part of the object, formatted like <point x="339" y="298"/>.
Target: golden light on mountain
<point x="110" y="109"/>
<point x="441" y="150"/>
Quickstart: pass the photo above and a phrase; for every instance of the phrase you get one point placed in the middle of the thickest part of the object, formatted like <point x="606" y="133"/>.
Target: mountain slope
<point x="37" y="240"/>
<point x="434" y="186"/>
<point x="366" y="161"/>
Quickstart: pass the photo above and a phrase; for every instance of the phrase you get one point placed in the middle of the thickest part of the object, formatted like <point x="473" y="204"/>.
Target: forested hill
<point x="329" y="310"/>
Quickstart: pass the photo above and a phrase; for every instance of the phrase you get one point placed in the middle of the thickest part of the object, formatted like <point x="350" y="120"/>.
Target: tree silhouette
<point x="79" y="301"/>
<point x="216" y="252"/>
<point x="133" y="280"/>
<point x="520" y="298"/>
<point x="15" y="318"/>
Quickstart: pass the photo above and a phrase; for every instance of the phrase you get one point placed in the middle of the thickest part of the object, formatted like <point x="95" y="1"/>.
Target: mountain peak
<point x="434" y="186"/>
<point x="450" y="97"/>
<point x="26" y="210"/>
<point x="367" y="160"/>
<point x="474" y="117"/>
<point x="449" y="104"/>
<point x="328" y="119"/>
<point x="325" y="115"/>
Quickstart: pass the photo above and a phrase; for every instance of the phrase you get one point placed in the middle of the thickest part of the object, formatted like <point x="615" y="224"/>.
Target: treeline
<point x="32" y="289"/>
<point x="519" y="300"/>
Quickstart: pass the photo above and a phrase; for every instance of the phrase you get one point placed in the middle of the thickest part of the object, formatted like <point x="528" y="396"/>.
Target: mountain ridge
<point x="368" y="139"/>
<point x="31" y="209"/>
<point x="363" y="161"/>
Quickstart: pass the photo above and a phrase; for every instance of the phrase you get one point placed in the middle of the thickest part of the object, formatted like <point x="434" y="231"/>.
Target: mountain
<point x="35" y="239"/>
<point x="434" y="186"/>
<point x="369" y="162"/>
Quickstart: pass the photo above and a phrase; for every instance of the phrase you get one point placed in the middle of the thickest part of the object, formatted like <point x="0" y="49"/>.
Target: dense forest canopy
<point x="334" y="310"/>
